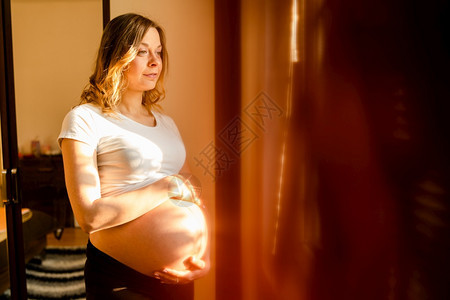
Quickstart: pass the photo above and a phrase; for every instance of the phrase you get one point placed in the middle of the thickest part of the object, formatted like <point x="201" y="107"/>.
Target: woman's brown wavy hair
<point x="118" y="47"/>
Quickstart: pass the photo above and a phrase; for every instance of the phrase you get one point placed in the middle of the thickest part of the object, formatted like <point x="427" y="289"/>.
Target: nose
<point x="153" y="60"/>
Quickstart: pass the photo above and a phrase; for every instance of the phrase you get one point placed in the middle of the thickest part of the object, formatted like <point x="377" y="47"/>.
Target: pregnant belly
<point x="162" y="238"/>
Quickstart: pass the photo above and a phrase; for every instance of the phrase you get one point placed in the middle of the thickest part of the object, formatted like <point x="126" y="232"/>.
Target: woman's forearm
<point x="94" y="212"/>
<point x="112" y="211"/>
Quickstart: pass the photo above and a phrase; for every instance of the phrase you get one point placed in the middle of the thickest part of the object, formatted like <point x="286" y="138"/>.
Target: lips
<point x="151" y="75"/>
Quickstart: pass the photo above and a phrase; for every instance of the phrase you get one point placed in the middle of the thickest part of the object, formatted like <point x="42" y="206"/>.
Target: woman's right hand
<point x="181" y="188"/>
<point x="195" y="269"/>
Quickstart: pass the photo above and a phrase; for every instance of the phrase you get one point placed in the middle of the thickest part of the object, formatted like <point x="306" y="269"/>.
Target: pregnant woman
<point x="148" y="235"/>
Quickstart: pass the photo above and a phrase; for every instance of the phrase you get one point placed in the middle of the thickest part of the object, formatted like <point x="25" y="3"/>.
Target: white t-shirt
<point x="130" y="155"/>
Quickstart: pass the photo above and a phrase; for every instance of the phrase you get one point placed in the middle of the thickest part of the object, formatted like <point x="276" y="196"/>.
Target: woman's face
<point x="144" y="70"/>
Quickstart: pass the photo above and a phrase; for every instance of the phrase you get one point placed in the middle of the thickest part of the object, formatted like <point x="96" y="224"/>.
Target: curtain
<point x="341" y="146"/>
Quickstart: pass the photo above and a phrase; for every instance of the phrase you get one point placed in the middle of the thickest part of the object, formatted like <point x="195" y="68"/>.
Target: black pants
<point x="107" y="278"/>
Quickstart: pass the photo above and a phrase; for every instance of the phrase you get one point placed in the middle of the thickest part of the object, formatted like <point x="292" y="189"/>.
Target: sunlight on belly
<point x="162" y="238"/>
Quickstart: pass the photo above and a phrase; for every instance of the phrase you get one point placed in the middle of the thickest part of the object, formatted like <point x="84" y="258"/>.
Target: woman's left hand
<point x="195" y="268"/>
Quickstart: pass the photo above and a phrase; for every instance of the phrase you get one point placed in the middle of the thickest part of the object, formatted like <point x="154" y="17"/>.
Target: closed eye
<point x="142" y="52"/>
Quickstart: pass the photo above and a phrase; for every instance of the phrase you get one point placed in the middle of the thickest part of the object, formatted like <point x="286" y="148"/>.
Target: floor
<point x="73" y="236"/>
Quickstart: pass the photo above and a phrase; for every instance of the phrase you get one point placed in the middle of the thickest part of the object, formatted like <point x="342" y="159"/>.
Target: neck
<point x="131" y="102"/>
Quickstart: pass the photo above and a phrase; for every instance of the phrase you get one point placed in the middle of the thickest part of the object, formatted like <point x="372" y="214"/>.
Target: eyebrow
<point x="148" y="46"/>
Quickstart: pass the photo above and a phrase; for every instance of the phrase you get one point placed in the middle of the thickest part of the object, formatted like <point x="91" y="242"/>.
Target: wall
<point x="52" y="65"/>
<point x="189" y="27"/>
<point x="54" y="44"/>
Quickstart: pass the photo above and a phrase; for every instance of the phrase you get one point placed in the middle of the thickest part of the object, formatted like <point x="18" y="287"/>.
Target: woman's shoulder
<point x="81" y="124"/>
<point x="161" y="115"/>
<point x="85" y="111"/>
<point x="83" y="114"/>
<point x="164" y="118"/>
<point x="86" y="108"/>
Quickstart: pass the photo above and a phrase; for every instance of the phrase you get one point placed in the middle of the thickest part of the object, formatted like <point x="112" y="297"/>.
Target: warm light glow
<point x="294" y="27"/>
<point x="278" y="207"/>
<point x="294" y="59"/>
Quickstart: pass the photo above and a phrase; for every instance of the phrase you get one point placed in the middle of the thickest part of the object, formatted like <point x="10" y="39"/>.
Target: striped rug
<point x="57" y="275"/>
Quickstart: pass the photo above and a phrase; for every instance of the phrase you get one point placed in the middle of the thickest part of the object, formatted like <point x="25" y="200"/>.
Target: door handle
<point x="3" y="186"/>
<point x="15" y="190"/>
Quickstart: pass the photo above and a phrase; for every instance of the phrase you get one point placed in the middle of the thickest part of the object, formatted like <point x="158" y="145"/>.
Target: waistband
<point x="109" y="265"/>
<point x="103" y="269"/>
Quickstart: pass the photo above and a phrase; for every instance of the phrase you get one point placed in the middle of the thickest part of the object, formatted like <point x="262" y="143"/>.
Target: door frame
<point x="15" y="243"/>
